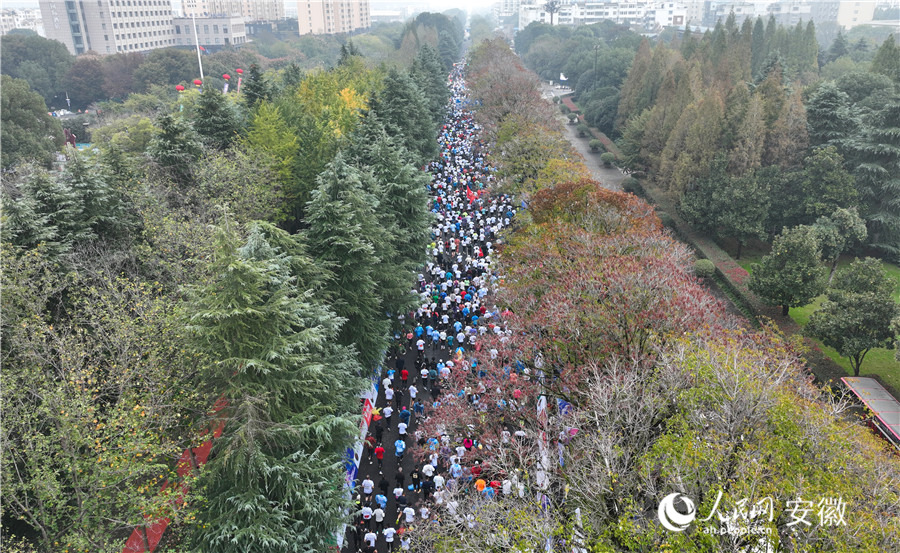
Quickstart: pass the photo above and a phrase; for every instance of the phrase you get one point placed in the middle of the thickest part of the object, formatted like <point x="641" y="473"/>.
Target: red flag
<point x="469" y="194"/>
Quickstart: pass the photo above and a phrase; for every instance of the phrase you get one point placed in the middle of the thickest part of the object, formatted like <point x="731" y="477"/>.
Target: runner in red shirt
<point x="379" y="454"/>
<point x="404" y="375"/>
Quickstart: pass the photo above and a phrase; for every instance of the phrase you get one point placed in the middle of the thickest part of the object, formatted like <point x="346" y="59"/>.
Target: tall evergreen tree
<point x="401" y="200"/>
<point x="342" y="236"/>
<point x="175" y="147"/>
<point x="403" y="110"/>
<point x="24" y="222"/>
<point x="255" y="88"/>
<point x="629" y="105"/>
<point x="826" y="185"/>
<point x="829" y="116"/>
<point x="838" y="48"/>
<point x="216" y="119"/>
<point x="274" y="481"/>
<point x="748" y="152"/>
<point x="348" y="49"/>
<point x="428" y="73"/>
<point x="788" y="138"/>
<point x="449" y="49"/>
<point x="887" y="59"/>
<point x="402" y="188"/>
<point x="876" y="155"/>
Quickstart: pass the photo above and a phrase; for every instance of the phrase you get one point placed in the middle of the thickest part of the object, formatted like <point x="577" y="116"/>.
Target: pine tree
<point x="274" y="481"/>
<point x="400" y="193"/>
<point x="24" y="223"/>
<point x="342" y="236"/>
<point x="255" y="88"/>
<point x="628" y="105"/>
<point x="403" y="191"/>
<point x="403" y="110"/>
<point x="789" y="138"/>
<point x="748" y="152"/>
<point x="826" y="185"/>
<point x="105" y="209"/>
<point x="175" y="147"/>
<point x="791" y="274"/>
<point x="215" y="119"/>
<point x="758" y="48"/>
<point x="876" y="155"/>
<point x="810" y="59"/>
<point x="348" y="49"/>
<point x="838" y="48"/>
<point x="448" y="48"/>
<point x="829" y="117"/>
<point x="688" y="44"/>
<point x="63" y="206"/>
<point x="700" y="144"/>
<point x="428" y="73"/>
<point x="887" y="59"/>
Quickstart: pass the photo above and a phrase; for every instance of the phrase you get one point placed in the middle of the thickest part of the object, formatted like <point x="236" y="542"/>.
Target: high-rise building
<point x="207" y="8"/>
<point x="852" y="13"/>
<point x="325" y="17"/>
<point x="251" y="10"/>
<point x="21" y="19"/>
<point x="109" y="26"/>
<point x="507" y="8"/>
<point x="213" y="33"/>
<point x="263" y="10"/>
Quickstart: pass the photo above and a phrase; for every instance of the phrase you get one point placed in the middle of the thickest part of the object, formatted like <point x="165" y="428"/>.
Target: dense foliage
<point x="662" y="391"/>
<point x="220" y="260"/>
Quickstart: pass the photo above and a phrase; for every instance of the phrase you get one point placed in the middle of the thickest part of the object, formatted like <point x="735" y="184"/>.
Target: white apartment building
<point x="847" y="13"/>
<point x="325" y="17"/>
<point x="263" y="10"/>
<point x="205" y="8"/>
<point x="852" y="12"/>
<point x="109" y="26"/>
<point x="506" y="8"/>
<point x="21" y="19"/>
<point x="650" y="15"/>
<point x="213" y="32"/>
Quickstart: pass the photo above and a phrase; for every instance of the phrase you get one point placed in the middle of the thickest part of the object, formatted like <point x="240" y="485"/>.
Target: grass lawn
<point x="879" y="362"/>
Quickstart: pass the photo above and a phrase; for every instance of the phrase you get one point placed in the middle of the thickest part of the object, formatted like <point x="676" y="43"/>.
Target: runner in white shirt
<point x="368" y="485"/>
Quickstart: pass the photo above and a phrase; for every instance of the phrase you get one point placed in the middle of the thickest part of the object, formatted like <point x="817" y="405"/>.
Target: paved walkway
<point x="610" y="178"/>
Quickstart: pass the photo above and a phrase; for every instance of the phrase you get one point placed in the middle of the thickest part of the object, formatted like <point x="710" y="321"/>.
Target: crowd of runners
<point x="394" y="492"/>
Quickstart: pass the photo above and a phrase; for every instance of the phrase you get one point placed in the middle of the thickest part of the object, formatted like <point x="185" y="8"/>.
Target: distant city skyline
<point x="434" y="5"/>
